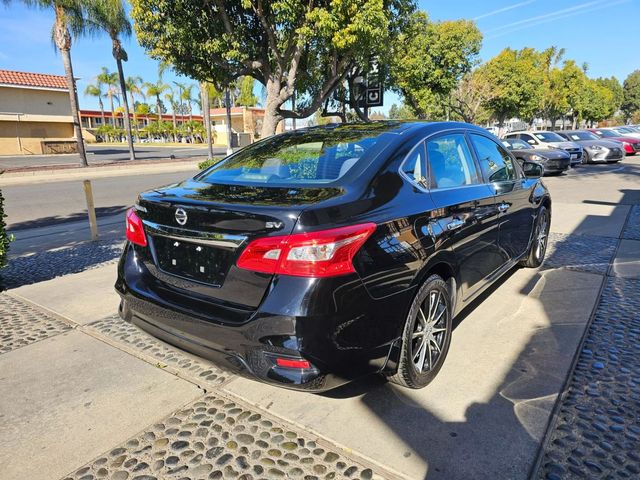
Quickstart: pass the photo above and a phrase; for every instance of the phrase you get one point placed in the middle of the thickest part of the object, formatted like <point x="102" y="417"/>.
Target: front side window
<point x="495" y="162"/>
<point x="451" y="162"/>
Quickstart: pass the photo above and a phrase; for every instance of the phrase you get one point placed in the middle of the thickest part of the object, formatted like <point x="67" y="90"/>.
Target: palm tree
<point x="110" y="16"/>
<point x="95" y="90"/>
<point x="155" y="90"/>
<point x="187" y="96"/>
<point x="206" y="115"/>
<point x="111" y="81"/>
<point x="170" y="97"/>
<point x="134" y="86"/>
<point x="68" y="23"/>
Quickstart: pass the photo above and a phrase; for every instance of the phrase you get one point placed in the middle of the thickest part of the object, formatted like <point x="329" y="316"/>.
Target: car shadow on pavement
<point x="499" y="437"/>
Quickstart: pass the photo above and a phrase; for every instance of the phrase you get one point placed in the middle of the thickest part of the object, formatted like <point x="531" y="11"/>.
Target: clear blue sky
<point x="603" y="33"/>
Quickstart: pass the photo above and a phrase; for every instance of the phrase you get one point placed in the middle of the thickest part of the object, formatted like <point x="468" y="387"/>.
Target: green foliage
<point x="631" y="88"/>
<point x="402" y="112"/>
<point x="286" y="45"/>
<point x="467" y="101"/>
<point x="429" y="58"/>
<point x="160" y="128"/>
<point x="246" y="97"/>
<point x="209" y="162"/>
<point x="4" y="238"/>
<point x="516" y="81"/>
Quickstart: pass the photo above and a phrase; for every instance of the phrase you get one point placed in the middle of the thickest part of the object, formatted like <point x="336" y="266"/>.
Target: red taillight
<point x="325" y="253"/>
<point x="135" y="232"/>
<point x="290" y="363"/>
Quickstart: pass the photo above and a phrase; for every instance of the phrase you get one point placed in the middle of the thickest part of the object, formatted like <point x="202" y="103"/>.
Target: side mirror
<point x="532" y="169"/>
<point x="531" y="142"/>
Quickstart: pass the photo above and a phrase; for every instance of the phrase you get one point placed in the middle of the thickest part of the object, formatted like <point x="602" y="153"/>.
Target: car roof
<point x="400" y="127"/>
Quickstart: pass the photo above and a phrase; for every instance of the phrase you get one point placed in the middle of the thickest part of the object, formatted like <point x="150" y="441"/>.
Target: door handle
<point x="455" y="224"/>
<point x="503" y="207"/>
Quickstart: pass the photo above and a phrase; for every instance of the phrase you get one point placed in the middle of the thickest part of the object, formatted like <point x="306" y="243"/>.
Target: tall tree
<point x="68" y="23"/>
<point x="95" y="90"/>
<point x="134" y="87"/>
<point x="468" y="98"/>
<point x="156" y="90"/>
<point x="110" y="16"/>
<point x="110" y="79"/>
<point x="206" y="115"/>
<point x="188" y="98"/>
<point x="170" y="97"/>
<point x="613" y="85"/>
<point x="246" y="97"/>
<point x="515" y="77"/>
<point x="631" y="88"/>
<point x="429" y="58"/>
<point x="309" y="46"/>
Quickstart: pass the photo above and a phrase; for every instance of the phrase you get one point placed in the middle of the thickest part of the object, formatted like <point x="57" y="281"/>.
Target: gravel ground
<point x="597" y="434"/>
<point x="22" y="325"/>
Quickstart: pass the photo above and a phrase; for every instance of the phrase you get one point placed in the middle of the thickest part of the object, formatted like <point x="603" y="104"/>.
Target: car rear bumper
<point x="340" y="345"/>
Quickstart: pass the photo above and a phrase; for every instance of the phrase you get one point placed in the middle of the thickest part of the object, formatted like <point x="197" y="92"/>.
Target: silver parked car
<point x="595" y="148"/>
<point x="545" y="139"/>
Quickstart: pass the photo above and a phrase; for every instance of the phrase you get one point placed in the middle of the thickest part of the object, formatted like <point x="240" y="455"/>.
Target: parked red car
<point x="631" y="145"/>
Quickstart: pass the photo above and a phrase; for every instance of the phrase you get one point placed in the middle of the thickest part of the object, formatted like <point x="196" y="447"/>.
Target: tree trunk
<point x="159" y="108"/>
<point x="135" y="116"/>
<point x="271" y="115"/>
<point x="204" y="95"/>
<point x="63" y="42"/>
<point x="118" y="55"/>
<point x="227" y="101"/>
<point x="175" y="123"/>
<point x="101" y="110"/>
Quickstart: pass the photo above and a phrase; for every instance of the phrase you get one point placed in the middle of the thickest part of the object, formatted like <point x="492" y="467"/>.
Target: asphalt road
<point x="99" y="154"/>
<point x="42" y="204"/>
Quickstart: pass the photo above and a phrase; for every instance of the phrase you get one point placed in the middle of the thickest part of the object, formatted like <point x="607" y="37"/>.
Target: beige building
<point x="246" y="121"/>
<point x="35" y="115"/>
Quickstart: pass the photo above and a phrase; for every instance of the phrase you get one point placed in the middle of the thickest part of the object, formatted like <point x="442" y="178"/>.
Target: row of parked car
<point x="559" y="151"/>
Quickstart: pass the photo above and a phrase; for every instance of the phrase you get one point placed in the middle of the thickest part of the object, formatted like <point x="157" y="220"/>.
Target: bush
<point x="4" y="238"/>
<point x="209" y="162"/>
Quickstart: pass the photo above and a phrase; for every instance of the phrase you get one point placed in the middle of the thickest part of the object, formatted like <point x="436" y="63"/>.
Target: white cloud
<point x="503" y="9"/>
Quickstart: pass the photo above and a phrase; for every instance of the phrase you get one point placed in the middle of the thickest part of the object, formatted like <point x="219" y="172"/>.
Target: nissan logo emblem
<point x="181" y="216"/>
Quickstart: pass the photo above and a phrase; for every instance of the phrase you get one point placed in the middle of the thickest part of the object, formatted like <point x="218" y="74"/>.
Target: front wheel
<point x="538" y="248"/>
<point x="426" y="336"/>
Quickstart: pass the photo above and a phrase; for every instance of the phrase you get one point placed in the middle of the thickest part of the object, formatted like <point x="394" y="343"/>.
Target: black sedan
<point x="553" y="160"/>
<point x="317" y="256"/>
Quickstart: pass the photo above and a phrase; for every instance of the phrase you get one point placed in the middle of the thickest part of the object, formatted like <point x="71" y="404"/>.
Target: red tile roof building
<point x="33" y="80"/>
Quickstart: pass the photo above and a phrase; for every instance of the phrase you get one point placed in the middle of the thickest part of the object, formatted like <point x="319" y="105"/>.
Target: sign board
<point x="369" y="90"/>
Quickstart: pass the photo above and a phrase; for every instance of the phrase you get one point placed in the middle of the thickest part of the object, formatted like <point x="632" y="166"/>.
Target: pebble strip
<point x="200" y="371"/>
<point x="632" y="229"/>
<point x="597" y="433"/>
<point x="22" y="325"/>
<point x="214" y="439"/>
<point x="587" y="253"/>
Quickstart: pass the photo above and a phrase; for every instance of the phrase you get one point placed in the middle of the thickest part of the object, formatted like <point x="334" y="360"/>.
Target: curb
<point x="109" y="170"/>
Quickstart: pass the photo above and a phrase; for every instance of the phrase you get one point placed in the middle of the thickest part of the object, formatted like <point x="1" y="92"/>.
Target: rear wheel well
<point x="445" y="271"/>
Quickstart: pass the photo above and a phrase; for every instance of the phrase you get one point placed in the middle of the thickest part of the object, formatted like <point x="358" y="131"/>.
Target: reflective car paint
<point x="346" y="326"/>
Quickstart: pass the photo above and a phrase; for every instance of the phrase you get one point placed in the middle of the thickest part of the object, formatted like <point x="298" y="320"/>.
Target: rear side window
<point x="495" y="162"/>
<point x="415" y="166"/>
<point x="451" y="162"/>
<point x="322" y="156"/>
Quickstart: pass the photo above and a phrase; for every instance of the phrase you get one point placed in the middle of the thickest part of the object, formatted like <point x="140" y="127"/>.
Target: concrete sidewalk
<point x="88" y="394"/>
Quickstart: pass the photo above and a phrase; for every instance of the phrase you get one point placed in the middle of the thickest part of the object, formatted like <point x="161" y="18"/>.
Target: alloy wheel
<point x="541" y="236"/>
<point x="429" y="332"/>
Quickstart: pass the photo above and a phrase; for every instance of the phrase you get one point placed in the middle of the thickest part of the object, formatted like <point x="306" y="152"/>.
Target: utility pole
<point x="227" y="101"/>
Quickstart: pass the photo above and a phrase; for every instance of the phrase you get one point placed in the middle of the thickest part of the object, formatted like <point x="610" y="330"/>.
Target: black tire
<point x="537" y="250"/>
<point x="420" y="340"/>
<point x="585" y="158"/>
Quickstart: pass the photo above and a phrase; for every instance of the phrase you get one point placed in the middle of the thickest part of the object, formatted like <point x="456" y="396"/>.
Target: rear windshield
<point x="606" y="134"/>
<point x="313" y="157"/>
